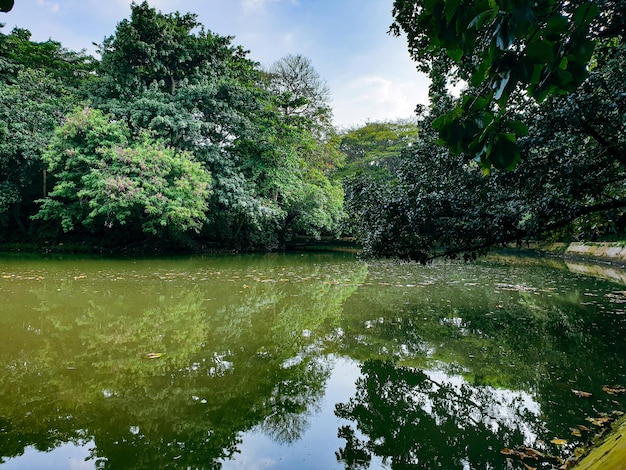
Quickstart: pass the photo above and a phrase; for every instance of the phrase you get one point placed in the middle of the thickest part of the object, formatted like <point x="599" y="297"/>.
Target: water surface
<point x="300" y="361"/>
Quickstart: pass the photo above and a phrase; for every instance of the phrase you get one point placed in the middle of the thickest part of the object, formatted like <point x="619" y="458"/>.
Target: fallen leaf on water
<point x="507" y="451"/>
<point x="530" y="453"/>
<point x="153" y="355"/>
<point x="576" y="432"/>
<point x="559" y="442"/>
<point x="613" y="389"/>
<point x="599" y="421"/>
<point x="582" y="427"/>
<point x="581" y="394"/>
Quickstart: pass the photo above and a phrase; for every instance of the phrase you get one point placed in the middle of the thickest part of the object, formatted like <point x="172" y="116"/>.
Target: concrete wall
<point x="614" y="252"/>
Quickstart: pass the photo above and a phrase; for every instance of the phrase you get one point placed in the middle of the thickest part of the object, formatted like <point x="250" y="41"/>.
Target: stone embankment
<point x="605" y="260"/>
<point x="610" y="252"/>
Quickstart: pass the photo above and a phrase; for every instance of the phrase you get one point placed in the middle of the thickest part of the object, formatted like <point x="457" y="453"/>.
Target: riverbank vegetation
<point x="174" y="137"/>
<point x="173" y="134"/>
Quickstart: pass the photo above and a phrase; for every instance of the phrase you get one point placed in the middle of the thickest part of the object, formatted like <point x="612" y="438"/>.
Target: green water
<point x="314" y="361"/>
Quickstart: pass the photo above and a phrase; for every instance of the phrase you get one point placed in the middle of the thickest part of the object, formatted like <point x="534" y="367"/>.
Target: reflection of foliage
<point x="77" y="365"/>
<point x="413" y="421"/>
<point x="537" y="330"/>
<point x="291" y="408"/>
<point x="244" y="342"/>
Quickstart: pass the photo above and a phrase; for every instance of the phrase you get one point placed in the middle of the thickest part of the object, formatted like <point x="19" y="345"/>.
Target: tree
<point x="108" y="182"/>
<point x="376" y="145"/>
<point x="502" y="48"/>
<point x="216" y="104"/>
<point x="438" y="204"/>
<point x="18" y="53"/>
<point x="30" y="110"/>
<point x="165" y="49"/>
<point x="39" y="84"/>
<point x="299" y="89"/>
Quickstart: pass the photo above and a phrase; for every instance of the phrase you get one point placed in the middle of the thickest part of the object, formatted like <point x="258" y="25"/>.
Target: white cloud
<point x="255" y="5"/>
<point x="52" y="6"/>
<point x="377" y="98"/>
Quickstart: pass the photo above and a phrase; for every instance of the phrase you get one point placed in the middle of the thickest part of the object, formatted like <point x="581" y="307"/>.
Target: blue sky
<point x="368" y="71"/>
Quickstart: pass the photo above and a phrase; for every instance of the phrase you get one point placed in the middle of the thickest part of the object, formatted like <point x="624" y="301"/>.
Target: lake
<point x="307" y="361"/>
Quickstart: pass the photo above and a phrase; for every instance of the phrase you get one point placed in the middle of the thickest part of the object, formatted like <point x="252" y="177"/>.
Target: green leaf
<point x="504" y="152"/>
<point x="584" y="14"/>
<point x="479" y="20"/>
<point x="581" y="50"/>
<point x="6" y="5"/>
<point x="556" y="25"/>
<point x="451" y="8"/>
<point x="540" y="51"/>
<point x="479" y="74"/>
<point x="525" y="15"/>
<point x="520" y="128"/>
<point x="480" y="103"/>
<point x="455" y="54"/>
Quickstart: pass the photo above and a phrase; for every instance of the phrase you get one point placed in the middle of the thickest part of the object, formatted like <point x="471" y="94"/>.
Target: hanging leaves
<point x="6" y="5"/>
<point x="541" y="48"/>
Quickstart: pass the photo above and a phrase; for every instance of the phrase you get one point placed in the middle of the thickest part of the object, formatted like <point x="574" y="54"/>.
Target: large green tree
<point x="376" y="145"/>
<point x="107" y="183"/>
<point x="216" y="103"/>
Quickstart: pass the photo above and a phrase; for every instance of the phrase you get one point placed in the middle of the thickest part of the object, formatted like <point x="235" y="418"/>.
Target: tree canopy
<point x="176" y="135"/>
<point x="570" y="184"/>
<point x="501" y="48"/>
<point x="176" y="132"/>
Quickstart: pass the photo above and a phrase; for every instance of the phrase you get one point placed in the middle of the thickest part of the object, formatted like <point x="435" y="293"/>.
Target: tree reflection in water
<point x="413" y="419"/>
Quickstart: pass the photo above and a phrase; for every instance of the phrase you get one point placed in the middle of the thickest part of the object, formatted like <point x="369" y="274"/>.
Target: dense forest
<point x="174" y="137"/>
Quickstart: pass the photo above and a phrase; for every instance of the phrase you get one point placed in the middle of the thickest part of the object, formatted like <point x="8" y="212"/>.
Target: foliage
<point x="201" y="99"/>
<point x="18" y="52"/>
<point x="105" y="181"/>
<point x="6" y="5"/>
<point x="500" y="48"/>
<point x="216" y="103"/>
<point x="430" y="201"/>
<point x="438" y="204"/>
<point x="376" y="145"/>
<point x="299" y="91"/>
<point x="166" y="49"/>
<point x="31" y="108"/>
<point x="39" y="84"/>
